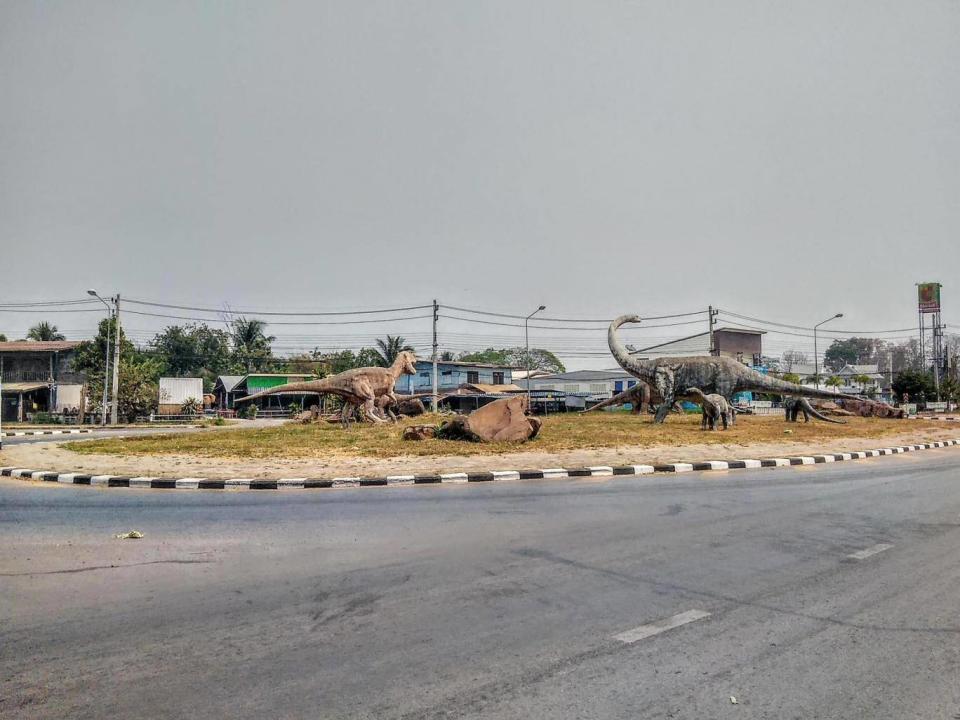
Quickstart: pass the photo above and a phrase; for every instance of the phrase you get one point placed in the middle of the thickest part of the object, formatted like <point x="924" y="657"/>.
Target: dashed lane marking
<point x="867" y="552"/>
<point x="655" y="628"/>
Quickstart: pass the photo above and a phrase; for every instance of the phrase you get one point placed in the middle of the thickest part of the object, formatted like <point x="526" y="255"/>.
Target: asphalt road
<point x="832" y="592"/>
<point x="30" y="439"/>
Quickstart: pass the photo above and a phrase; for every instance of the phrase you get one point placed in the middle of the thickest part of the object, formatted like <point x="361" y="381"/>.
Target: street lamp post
<point x="526" y="332"/>
<point x="106" y="363"/>
<point x="816" y="357"/>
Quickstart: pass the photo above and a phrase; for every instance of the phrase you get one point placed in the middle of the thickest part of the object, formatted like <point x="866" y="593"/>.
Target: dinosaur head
<point x="693" y="391"/>
<point x="405" y="361"/>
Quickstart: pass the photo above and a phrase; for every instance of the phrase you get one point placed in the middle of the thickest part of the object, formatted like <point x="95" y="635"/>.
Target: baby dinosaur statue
<point x="715" y="407"/>
<point x="724" y="376"/>
<point x="360" y="388"/>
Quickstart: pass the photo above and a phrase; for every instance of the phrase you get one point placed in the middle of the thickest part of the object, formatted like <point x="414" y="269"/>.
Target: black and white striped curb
<point x="549" y="473"/>
<point x="22" y="433"/>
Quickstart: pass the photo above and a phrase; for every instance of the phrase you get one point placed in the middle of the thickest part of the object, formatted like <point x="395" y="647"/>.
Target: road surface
<point x="809" y="592"/>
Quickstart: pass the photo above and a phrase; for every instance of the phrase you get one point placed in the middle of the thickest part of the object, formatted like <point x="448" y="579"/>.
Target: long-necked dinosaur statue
<point x="794" y="406"/>
<point x="670" y="376"/>
<point x="360" y="388"/>
<point x="639" y="396"/>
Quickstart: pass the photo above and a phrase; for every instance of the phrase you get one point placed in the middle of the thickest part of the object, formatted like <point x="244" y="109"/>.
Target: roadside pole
<point x="1" y="407"/>
<point x="436" y="316"/>
<point x="115" y="407"/>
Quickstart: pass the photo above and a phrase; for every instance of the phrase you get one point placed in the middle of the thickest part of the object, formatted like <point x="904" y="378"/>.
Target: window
<point x="498" y="378"/>
<point x="473" y="376"/>
<point x="572" y="387"/>
<point x="598" y="387"/>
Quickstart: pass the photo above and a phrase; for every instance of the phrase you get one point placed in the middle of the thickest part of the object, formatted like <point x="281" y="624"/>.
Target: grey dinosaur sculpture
<point x="639" y="396"/>
<point x="724" y="376"/>
<point x="793" y="406"/>
<point x="360" y="388"/>
<point x="715" y="408"/>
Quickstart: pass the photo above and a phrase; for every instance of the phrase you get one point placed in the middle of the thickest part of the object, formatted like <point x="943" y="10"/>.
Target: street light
<point x="526" y="332"/>
<point x="816" y="358"/>
<point x="106" y="374"/>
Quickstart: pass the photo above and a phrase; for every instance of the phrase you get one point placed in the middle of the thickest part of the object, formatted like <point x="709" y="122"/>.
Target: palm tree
<point x="387" y="350"/>
<point x="45" y="332"/>
<point x="833" y="381"/>
<point x="863" y="380"/>
<point x="250" y="340"/>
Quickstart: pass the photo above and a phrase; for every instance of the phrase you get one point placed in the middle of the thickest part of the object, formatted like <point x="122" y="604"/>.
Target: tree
<point x="308" y="362"/>
<point x="792" y="378"/>
<point x="864" y="380"/>
<point x="446" y="356"/>
<point x="833" y="381"/>
<point x="251" y="344"/>
<point x="193" y="351"/>
<point x="793" y="357"/>
<point x="854" y="351"/>
<point x="388" y="349"/>
<point x="138" y="391"/>
<point x="540" y="359"/>
<point x="3" y="338"/>
<point x="915" y="383"/>
<point x="44" y="332"/>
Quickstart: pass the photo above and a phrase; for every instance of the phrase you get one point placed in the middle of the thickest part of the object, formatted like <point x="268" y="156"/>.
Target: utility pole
<point x="115" y="408"/>
<point x="526" y="333"/>
<point x="436" y="316"/>
<point x="711" y="320"/>
<point x="816" y="357"/>
<point x="106" y="358"/>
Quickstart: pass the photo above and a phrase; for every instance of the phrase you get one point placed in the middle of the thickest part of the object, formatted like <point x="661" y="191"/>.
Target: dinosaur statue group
<point x="673" y="377"/>
<point x="368" y="390"/>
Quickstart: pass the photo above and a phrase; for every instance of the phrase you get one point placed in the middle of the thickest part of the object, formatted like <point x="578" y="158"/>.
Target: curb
<point x="22" y="433"/>
<point x="492" y="476"/>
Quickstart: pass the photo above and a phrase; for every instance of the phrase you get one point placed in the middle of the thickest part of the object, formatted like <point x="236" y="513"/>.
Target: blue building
<point x="452" y="374"/>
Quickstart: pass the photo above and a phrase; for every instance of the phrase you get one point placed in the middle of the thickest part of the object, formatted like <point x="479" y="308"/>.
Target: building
<point x="39" y="377"/>
<point x="743" y="345"/>
<point x="255" y="382"/>
<point x="874" y="384"/>
<point x="174" y="392"/>
<point x="451" y="374"/>
<point x="582" y="386"/>
<point x="225" y="391"/>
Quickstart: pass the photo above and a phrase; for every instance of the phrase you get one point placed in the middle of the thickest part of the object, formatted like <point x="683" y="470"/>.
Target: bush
<point x="45" y="418"/>
<point x="249" y="412"/>
<point x="191" y="406"/>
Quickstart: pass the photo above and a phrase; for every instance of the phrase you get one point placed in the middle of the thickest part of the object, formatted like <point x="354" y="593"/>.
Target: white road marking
<point x="867" y="552"/>
<point x="655" y="628"/>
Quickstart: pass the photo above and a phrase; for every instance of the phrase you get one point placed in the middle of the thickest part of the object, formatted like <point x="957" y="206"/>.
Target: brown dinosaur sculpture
<point x="669" y="376"/>
<point x="360" y="388"/>
<point x="715" y="407"/>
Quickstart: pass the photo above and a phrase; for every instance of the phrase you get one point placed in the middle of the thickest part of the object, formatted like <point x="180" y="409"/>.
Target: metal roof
<point x="582" y="375"/>
<point x="229" y="382"/>
<point x="33" y="346"/>
<point x="19" y="387"/>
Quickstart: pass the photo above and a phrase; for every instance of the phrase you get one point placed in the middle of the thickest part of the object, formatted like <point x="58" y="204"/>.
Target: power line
<point x="280" y="322"/>
<point x="825" y="330"/>
<point x="578" y="320"/>
<point x="227" y="311"/>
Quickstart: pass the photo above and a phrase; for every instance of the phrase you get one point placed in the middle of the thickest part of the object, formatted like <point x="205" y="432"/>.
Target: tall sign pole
<point x="928" y="303"/>
<point x="436" y="316"/>
<point x="115" y="408"/>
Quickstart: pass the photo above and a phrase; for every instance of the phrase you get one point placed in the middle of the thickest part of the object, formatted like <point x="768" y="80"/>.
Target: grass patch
<point x="559" y="433"/>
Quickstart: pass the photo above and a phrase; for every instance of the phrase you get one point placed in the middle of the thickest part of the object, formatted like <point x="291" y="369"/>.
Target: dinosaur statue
<point x="715" y="407"/>
<point x="640" y="396"/>
<point x="360" y="388"/>
<point x="792" y="406"/>
<point x="721" y="375"/>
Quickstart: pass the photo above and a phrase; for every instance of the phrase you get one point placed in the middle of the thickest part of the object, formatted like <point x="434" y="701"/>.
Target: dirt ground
<point x="303" y="451"/>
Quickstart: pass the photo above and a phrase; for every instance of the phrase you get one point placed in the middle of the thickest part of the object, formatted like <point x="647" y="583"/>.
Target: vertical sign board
<point x="928" y="297"/>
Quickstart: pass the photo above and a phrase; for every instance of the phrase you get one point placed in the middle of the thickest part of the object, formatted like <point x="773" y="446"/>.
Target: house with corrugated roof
<point x="38" y="376"/>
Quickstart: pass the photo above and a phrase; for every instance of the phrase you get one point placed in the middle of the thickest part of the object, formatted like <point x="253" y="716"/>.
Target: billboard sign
<point x="928" y="295"/>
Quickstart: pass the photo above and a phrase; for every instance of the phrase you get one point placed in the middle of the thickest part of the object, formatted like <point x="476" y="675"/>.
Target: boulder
<point x="872" y="408"/>
<point x="501" y="421"/>
<point x="419" y="432"/>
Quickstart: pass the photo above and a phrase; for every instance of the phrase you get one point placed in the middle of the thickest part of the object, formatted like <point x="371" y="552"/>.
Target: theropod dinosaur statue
<point x="670" y="376"/>
<point x="360" y="388"/>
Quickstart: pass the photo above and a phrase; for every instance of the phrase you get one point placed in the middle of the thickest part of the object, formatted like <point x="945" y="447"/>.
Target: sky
<point x="781" y="160"/>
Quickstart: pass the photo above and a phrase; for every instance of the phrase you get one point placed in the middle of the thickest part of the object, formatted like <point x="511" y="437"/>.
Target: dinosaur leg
<point x="664" y="384"/>
<point x="703" y="419"/>
<point x="346" y="412"/>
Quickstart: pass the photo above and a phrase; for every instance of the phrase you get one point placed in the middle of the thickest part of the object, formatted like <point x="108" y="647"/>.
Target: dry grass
<point x="560" y="433"/>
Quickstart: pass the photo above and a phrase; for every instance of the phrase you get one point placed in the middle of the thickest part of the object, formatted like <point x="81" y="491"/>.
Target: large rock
<point x="503" y="420"/>
<point x="419" y="432"/>
<point x="872" y="408"/>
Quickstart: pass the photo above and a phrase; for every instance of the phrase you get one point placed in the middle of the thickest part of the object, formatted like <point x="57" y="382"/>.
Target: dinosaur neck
<point x="396" y="370"/>
<point x="620" y="353"/>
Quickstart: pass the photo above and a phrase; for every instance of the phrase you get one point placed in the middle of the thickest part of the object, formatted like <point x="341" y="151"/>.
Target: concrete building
<point x="451" y="374"/>
<point x="39" y="377"/>
<point x="743" y="345"/>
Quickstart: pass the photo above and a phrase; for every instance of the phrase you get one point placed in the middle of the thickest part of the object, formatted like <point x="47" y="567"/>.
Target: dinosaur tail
<point x="819" y="416"/>
<point x="764" y="383"/>
<point x="617" y="348"/>
<point x="294" y="388"/>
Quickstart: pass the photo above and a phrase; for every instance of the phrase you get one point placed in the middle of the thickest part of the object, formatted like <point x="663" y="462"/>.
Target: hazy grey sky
<point x="786" y="160"/>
